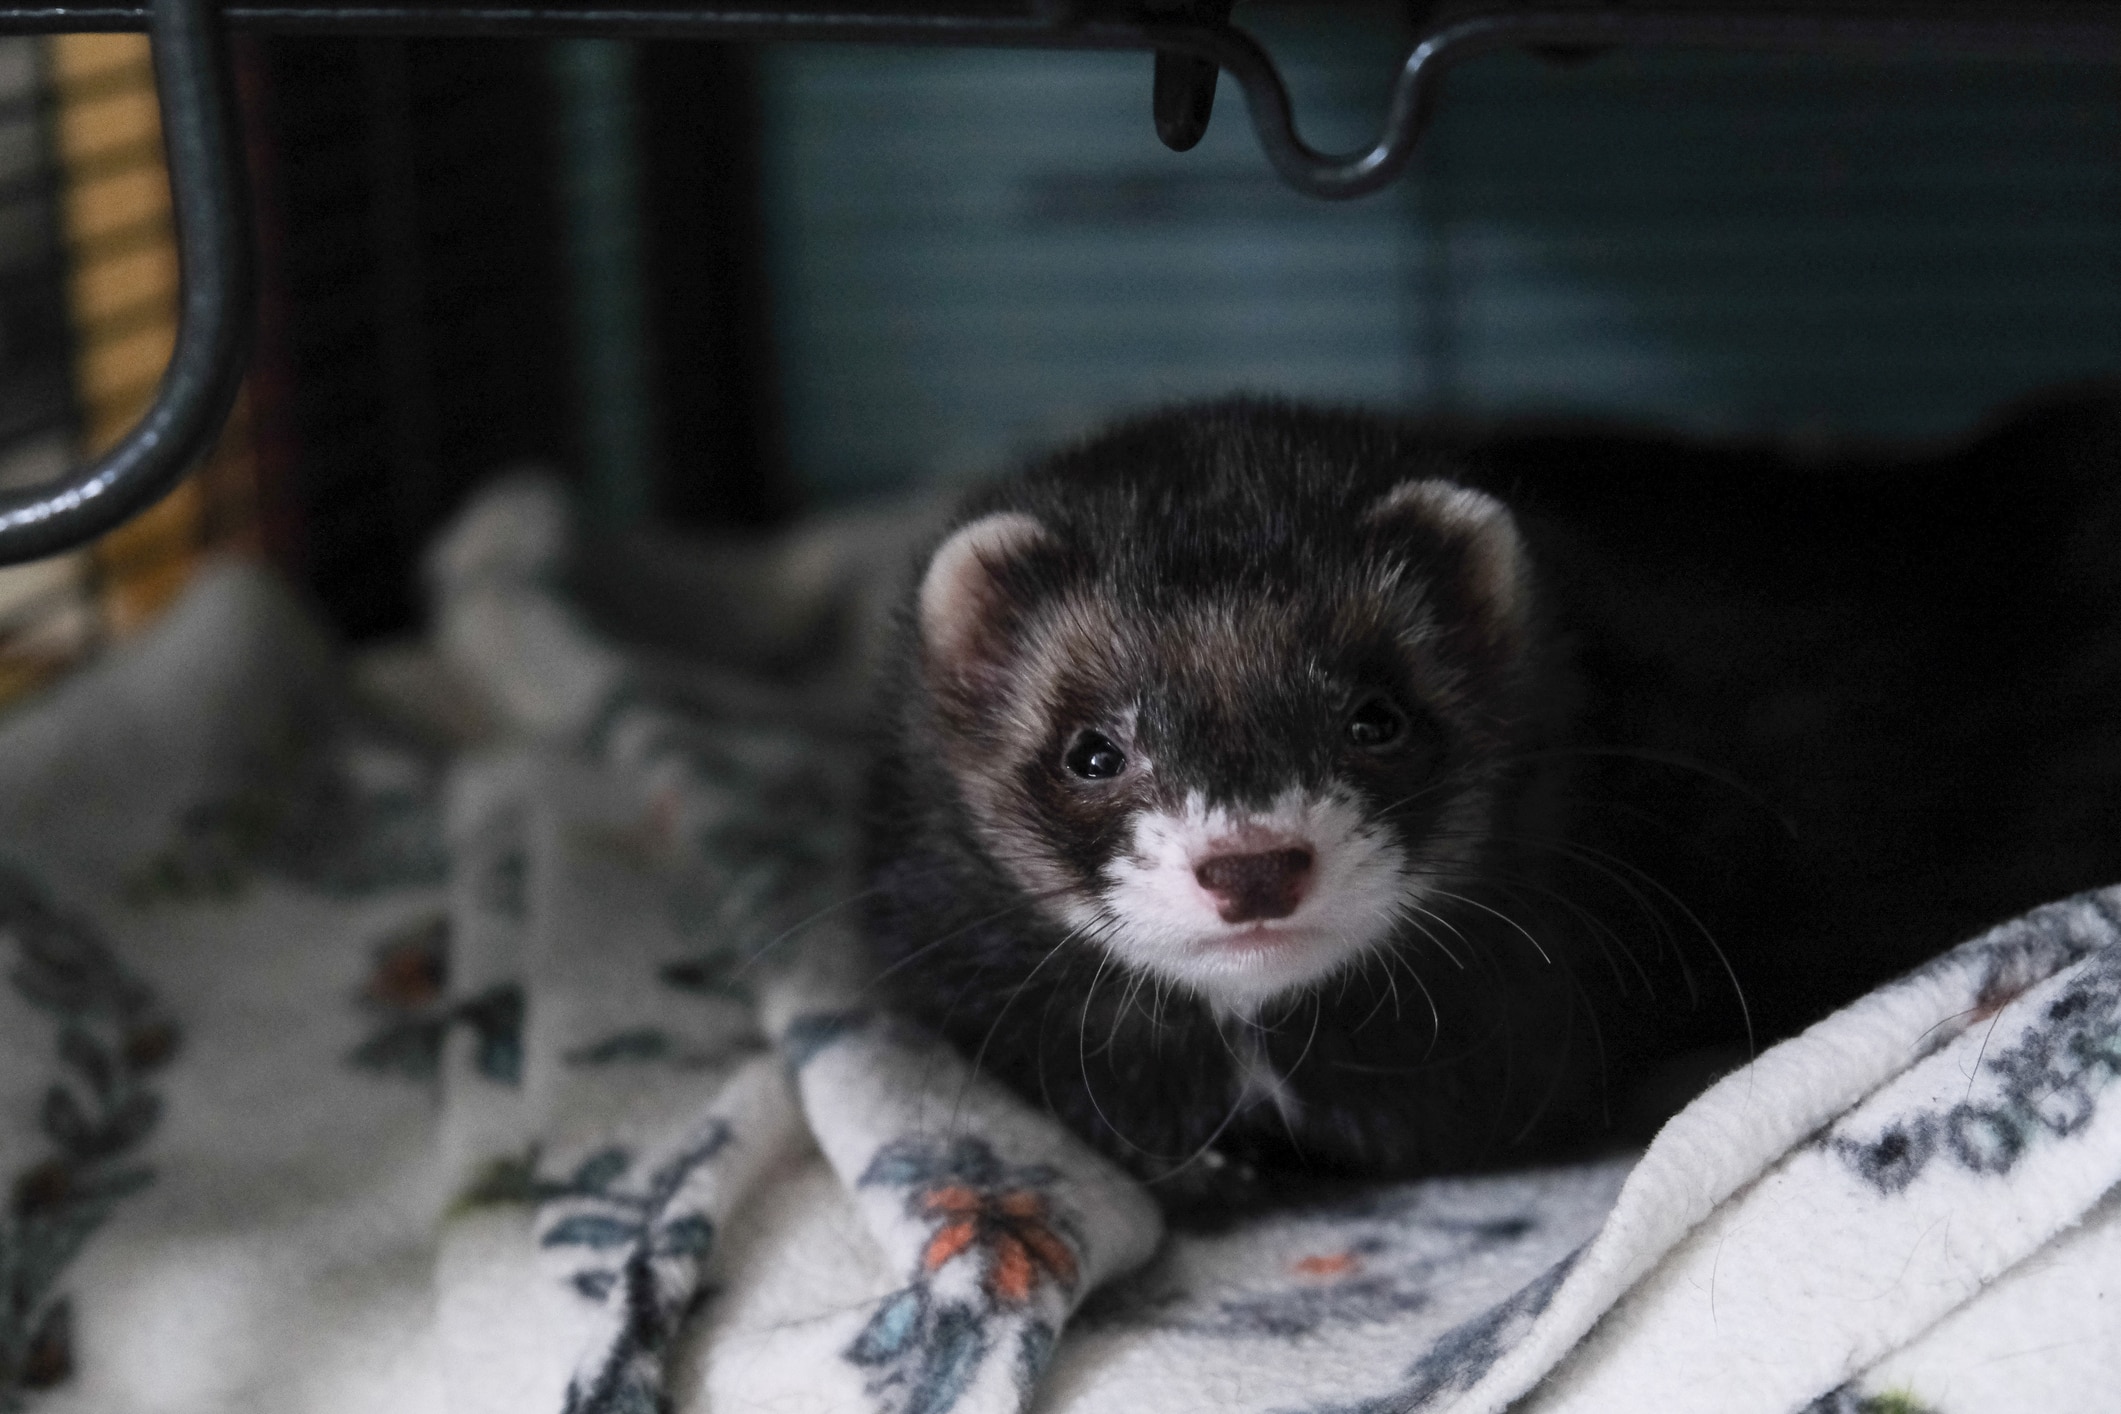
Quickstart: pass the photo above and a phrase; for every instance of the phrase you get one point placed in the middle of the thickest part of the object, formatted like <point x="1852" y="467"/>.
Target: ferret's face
<point x="1226" y="786"/>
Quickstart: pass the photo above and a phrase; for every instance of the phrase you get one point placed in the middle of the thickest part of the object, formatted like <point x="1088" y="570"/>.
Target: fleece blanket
<point x="477" y="1028"/>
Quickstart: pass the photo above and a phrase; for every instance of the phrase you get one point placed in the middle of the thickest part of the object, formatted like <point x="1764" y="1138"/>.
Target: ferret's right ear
<point x="965" y="609"/>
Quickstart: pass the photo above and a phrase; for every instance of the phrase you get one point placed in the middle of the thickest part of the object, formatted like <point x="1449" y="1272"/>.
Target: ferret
<point x="1272" y="792"/>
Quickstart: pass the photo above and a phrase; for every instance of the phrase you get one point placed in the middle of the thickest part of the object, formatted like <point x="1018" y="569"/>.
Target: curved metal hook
<point x="1339" y="176"/>
<point x="209" y="192"/>
<point x="1302" y="166"/>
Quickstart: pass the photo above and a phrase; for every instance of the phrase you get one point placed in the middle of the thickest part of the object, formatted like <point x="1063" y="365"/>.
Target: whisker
<point x="1610" y="867"/>
<point x="1368" y="960"/>
<point x="1546" y="1100"/>
<point x="1650" y="755"/>
<point x="758" y="953"/>
<point x="1608" y="938"/>
<point x="1289" y="1077"/>
<point x="1411" y="911"/>
<point x="1435" y="1016"/>
<point x="1082" y="1059"/>
<point x="1119" y="1013"/>
<point x="980" y="1056"/>
<point x="932" y="944"/>
<point x="1723" y="959"/>
<point x="1521" y="929"/>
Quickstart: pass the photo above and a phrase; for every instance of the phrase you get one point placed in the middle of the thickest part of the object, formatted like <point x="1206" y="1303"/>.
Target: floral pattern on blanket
<point x="642" y="1235"/>
<point x="111" y="1037"/>
<point x="995" y="1237"/>
<point x="744" y="824"/>
<point x="647" y="1248"/>
<point x="2046" y="1085"/>
<point x="333" y="807"/>
<point x="407" y="992"/>
<point x="1470" y="1349"/>
<point x="1364" y="1259"/>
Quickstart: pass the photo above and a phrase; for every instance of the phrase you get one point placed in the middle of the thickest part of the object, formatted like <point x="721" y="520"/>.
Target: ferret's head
<point x="1238" y="722"/>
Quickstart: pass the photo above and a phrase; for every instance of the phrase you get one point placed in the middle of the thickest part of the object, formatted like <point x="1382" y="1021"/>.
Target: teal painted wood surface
<point x="974" y="252"/>
<point x="600" y="203"/>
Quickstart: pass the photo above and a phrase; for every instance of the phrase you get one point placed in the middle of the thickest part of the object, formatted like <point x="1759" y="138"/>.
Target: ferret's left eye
<point x="1377" y="724"/>
<point x="1094" y="757"/>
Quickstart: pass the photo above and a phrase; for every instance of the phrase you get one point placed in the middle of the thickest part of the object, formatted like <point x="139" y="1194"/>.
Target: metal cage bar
<point x="209" y="193"/>
<point x="209" y="190"/>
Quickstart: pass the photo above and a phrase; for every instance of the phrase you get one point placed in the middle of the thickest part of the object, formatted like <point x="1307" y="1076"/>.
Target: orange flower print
<point x="411" y="967"/>
<point x="927" y="1342"/>
<point x="1336" y="1264"/>
<point x="1013" y="1228"/>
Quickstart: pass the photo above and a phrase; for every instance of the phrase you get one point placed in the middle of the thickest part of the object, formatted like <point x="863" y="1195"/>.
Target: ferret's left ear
<point x="1479" y="528"/>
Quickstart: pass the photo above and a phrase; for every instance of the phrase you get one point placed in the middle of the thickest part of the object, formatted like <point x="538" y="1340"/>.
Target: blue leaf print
<point x="129" y="1122"/>
<point x="597" y="1172"/>
<point x="672" y="1175"/>
<point x="689" y="1236"/>
<point x="48" y="1357"/>
<point x="628" y="1391"/>
<point x="892" y="1329"/>
<point x="593" y="1284"/>
<point x="412" y="1049"/>
<point x="591" y="1230"/>
<point x="953" y="1357"/>
<point x="500" y="1059"/>
<point x="1033" y="1349"/>
<point x="106" y="1185"/>
<point x="110" y="1037"/>
<point x="654" y="1285"/>
<point x="80" y="1050"/>
<point x="63" y="1122"/>
<point x="897" y="1165"/>
<point x="807" y="1036"/>
<point x="496" y="1018"/>
<point x="1464" y="1353"/>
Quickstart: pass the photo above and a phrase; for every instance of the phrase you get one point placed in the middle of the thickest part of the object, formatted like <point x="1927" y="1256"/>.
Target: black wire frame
<point x="209" y="191"/>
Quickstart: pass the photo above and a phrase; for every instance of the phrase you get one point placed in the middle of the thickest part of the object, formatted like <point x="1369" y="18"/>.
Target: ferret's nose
<point x="1249" y="888"/>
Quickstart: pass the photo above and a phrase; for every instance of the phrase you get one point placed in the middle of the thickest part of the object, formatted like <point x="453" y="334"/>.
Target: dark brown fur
<point x="1770" y="731"/>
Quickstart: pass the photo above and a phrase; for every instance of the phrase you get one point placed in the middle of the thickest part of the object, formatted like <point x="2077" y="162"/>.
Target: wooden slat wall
<point x="122" y="289"/>
<point x="975" y="251"/>
<point x="45" y="613"/>
<point x="1766" y="244"/>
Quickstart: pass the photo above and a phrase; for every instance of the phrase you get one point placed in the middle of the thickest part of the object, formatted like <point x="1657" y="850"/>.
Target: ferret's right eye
<point x="1094" y="757"/>
<point x="1377" y="725"/>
